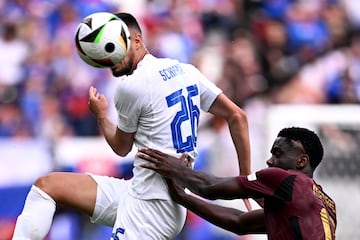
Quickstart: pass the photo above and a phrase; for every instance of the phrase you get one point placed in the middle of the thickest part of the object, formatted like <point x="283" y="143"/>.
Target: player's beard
<point x="126" y="68"/>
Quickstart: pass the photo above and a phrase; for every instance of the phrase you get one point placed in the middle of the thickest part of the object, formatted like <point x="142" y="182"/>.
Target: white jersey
<point x="160" y="102"/>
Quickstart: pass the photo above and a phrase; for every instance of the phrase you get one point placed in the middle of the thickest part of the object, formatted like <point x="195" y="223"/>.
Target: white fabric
<point x="140" y="100"/>
<point x="35" y="220"/>
<point x="135" y="218"/>
<point x="110" y="193"/>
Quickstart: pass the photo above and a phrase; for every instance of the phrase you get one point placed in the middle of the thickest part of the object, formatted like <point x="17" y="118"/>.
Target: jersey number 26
<point x="188" y="112"/>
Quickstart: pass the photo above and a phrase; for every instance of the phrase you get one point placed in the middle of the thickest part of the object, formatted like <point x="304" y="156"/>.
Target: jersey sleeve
<point x="263" y="183"/>
<point x="127" y="101"/>
<point x="208" y="90"/>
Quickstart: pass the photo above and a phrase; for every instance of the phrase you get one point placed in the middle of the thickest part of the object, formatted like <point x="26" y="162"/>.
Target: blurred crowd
<point x="259" y="52"/>
<point x="283" y="51"/>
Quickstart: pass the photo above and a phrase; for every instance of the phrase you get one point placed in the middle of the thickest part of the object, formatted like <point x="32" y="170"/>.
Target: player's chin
<point x="122" y="72"/>
<point x="116" y="73"/>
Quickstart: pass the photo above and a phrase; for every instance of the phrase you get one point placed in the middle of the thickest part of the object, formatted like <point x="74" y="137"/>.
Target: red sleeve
<point x="262" y="183"/>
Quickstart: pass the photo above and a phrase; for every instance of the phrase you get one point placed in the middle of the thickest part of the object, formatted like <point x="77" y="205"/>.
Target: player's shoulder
<point x="279" y="173"/>
<point x="130" y="87"/>
<point x="158" y="61"/>
<point x="151" y="59"/>
<point x="274" y="171"/>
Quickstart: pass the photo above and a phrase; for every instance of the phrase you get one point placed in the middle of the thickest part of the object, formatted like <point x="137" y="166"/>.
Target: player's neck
<point x="138" y="58"/>
<point x="144" y="52"/>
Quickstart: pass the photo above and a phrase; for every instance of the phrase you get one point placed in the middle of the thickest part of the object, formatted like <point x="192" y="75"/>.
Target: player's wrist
<point x="101" y="117"/>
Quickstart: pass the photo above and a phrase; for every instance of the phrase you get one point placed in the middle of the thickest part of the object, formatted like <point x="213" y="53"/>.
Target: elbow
<point x="240" y="115"/>
<point x="236" y="117"/>
<point x="239" y="121"/>
<point x="122" y="152"/>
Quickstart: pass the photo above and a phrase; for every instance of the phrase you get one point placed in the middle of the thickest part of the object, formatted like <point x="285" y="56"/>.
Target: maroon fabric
<point x="295" y="206"/>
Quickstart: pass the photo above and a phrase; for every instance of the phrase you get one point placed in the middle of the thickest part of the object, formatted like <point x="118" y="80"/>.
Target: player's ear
<point x="136" y="41"/>
<point x="302" y="161"/>
<point x="136" y="37"/>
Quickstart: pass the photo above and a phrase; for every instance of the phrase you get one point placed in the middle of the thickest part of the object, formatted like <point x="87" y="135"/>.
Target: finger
<point x="102" y="97"/>
<point x="142" y="155"/>
<point x="147" y="157"/>
<point x="151" y="152"/>
<point x="185" y="161"/>
<point x="91" y="91"/>
<point x="157" y="152"/>
<point x="144" y="150"/>
<point x="184" y="156"/>
<point x="96" y="94"/>
<point x="93" y="94"/>
<point x="148" y="166"/>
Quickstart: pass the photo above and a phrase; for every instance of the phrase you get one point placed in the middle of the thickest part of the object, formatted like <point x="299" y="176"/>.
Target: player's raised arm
<point x="120" y="142"/>
<point x="238" y="126"/>
<point x="237" y="121"/>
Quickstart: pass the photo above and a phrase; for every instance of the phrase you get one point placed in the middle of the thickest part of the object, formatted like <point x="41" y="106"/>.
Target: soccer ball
<point x="102" y="39"/>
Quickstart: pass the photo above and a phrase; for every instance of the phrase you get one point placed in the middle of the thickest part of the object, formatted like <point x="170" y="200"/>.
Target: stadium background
<point x="286" y="62"/>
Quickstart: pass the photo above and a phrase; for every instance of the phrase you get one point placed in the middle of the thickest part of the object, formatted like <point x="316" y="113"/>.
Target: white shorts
<point x="132" y="218"/>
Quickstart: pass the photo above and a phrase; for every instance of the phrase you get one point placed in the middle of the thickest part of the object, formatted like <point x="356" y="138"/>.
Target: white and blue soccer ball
<point x="102" y="39"/>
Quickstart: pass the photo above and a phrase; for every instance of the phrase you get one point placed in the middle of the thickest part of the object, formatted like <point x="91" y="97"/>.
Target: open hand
<point x="162" y="163"/>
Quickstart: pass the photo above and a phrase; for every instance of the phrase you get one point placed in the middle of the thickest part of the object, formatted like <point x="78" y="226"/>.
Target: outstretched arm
<point x="231" y="219"/>
<point x="201" y="183"/>
<point x="207" y="186"/>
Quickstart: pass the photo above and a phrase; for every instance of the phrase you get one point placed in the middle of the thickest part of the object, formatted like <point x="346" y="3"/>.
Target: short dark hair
<point x="130" y="21"/>
<point x="310" y="141"/>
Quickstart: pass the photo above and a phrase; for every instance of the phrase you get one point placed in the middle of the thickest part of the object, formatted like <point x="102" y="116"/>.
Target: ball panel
<point x="95" y="20"/>
<point x="123" y="39"/>
<point x="102" y="39"/>
<point x="87" y="21"/>
<point x="106" y="62"/>
<point x="77" y="44"/>
<point x="89" y="61"/>
<point x="93" y="36"/>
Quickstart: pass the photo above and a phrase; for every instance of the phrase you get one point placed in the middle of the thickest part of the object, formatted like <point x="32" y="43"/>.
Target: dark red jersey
<point x="295" y="206"/>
